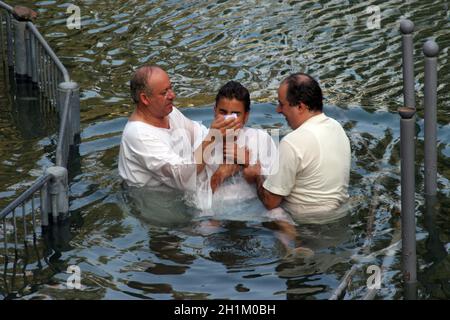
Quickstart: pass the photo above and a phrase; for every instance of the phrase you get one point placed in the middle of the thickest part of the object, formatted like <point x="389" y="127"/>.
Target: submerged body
<point x="313" y="175"/>
<point x="160" y="147"/>
<point x="153" y="157"/>
<point x="235" y="189"/>
<point x="314" y="170"/>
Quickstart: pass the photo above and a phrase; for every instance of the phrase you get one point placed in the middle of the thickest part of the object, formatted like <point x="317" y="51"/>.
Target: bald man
<point x="160" y="147"/>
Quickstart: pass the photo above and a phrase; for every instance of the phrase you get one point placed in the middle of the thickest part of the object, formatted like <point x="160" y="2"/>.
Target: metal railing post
<point x="44" y="75"/>
<point x="59" y="193"/>
<point x="28" y="53"/>
<point x="39" y="66"/>
<point x="407" y="156"/>
<point x="407" y="28"/>
<point x="34" y="55"/>
<point x="2" y="40"/>
<point x="9" y="41"/>
<point x="74" y="105"/>
<point x="45" y="205"/>
<point x="430" y="50"/>
<point x="31" y="47"/>
<point x="408" y="218"/>
<point x="20" y="48"/>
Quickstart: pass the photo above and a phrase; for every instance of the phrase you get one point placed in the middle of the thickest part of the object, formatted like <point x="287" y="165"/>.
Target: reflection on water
<point x="129" y="253"/>
<point x="160" y="208"/>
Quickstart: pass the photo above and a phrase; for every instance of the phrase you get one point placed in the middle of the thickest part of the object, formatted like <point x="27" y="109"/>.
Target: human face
<point x="226" y="107"/>
<point x="160" y="102"/>
<point x="291" y="113"/>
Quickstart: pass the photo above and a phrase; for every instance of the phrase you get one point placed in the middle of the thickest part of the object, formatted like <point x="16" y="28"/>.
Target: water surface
<point x="203" y="44"/>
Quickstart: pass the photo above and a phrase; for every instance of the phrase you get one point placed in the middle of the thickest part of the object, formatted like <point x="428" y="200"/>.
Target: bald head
<point x="301" y="87"/>
<point x="141" y="77"/>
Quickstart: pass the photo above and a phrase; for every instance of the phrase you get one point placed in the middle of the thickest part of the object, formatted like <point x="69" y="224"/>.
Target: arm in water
<point x="253" y="175"/>
<point x="223" y="172"/>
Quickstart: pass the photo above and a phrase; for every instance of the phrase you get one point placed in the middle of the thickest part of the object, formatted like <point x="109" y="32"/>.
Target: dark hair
<point x="234" y="90"/>
<point x="301" y="87"/>
<point x="138" y="82"/>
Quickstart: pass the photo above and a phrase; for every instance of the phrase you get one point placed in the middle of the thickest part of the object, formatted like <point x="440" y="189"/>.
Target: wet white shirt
<point x="234" y="190"/>
<point x="162" y="158"/>
<point x="314" y="169"/>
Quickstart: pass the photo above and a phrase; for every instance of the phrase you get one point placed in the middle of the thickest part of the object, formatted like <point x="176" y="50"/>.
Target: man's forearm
<point x="199" y="154"/>
<point x="260" y="189"/>
<point x="269" y="199"/>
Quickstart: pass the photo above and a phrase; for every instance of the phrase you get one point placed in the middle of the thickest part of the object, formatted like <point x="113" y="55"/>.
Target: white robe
<point x="163" y="159"/>
<point x="234" y="195"/>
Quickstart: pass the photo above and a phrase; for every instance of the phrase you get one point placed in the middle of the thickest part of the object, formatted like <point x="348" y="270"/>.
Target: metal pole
<point x="64" y="136"/>
<point x="340" y="290"/>
<point x="9" y="39"/>
<point x="34" y="58"/>
<point x="45" y="75"/>
<point x="20" y="49"/>
<point x="24" y="221"/>
<point x="55" y="85"/>
<point x="38" y="64"/>
<point x="52" y="83"/>
<point x="14" y="229"/>
<point x="434" y="246"/>
<point x="74" y="106"/>
<point x="407" y="137"/>
<point x="5" y="237"/>
<point x="407" y="155"/>
<point x="28" y="53"/>
<point x="430" y="50"/>
<point x="49" y="51"/>
<point x="33" y="212"/>
<point x="45" y="205"/>
<point x="2" y="41"/>
<point x="59" y="192"/>
<point x="49" y="80"/>
<point x="407" y="28"/>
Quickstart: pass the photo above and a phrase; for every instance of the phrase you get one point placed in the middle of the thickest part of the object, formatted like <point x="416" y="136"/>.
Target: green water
<point x="202" y="45"/>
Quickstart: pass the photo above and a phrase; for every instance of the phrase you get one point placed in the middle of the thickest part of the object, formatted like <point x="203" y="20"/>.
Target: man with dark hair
<point x="247" y="146"/>
<point x="234" y="90"/>
<point x="314" y="168"/>
<point x="160" y="147"/>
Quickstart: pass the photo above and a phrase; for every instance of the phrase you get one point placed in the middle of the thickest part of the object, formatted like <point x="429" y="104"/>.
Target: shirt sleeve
<point x="283" y="177"/>
<point x="195" y="131"/>
<point x="199" y="184"/>
<point x="158" y="157"/>
<point x="267" y="153"/>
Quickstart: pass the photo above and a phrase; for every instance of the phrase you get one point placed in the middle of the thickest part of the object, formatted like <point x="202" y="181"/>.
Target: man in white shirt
<point x="160" y="147"/>
<point x="314" y="168"/>
<point x="246" y="146"/>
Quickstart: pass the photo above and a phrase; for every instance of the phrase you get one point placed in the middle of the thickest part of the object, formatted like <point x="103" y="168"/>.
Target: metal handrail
<point x="6" y="6"/>
<point x="37" y="185"/>
<point x="64" y="128"/>
<point x="42" y="41"/>
<point x="49" y="51"/>
<point x="340" y="290"/>
<point x="30" y="55"/>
